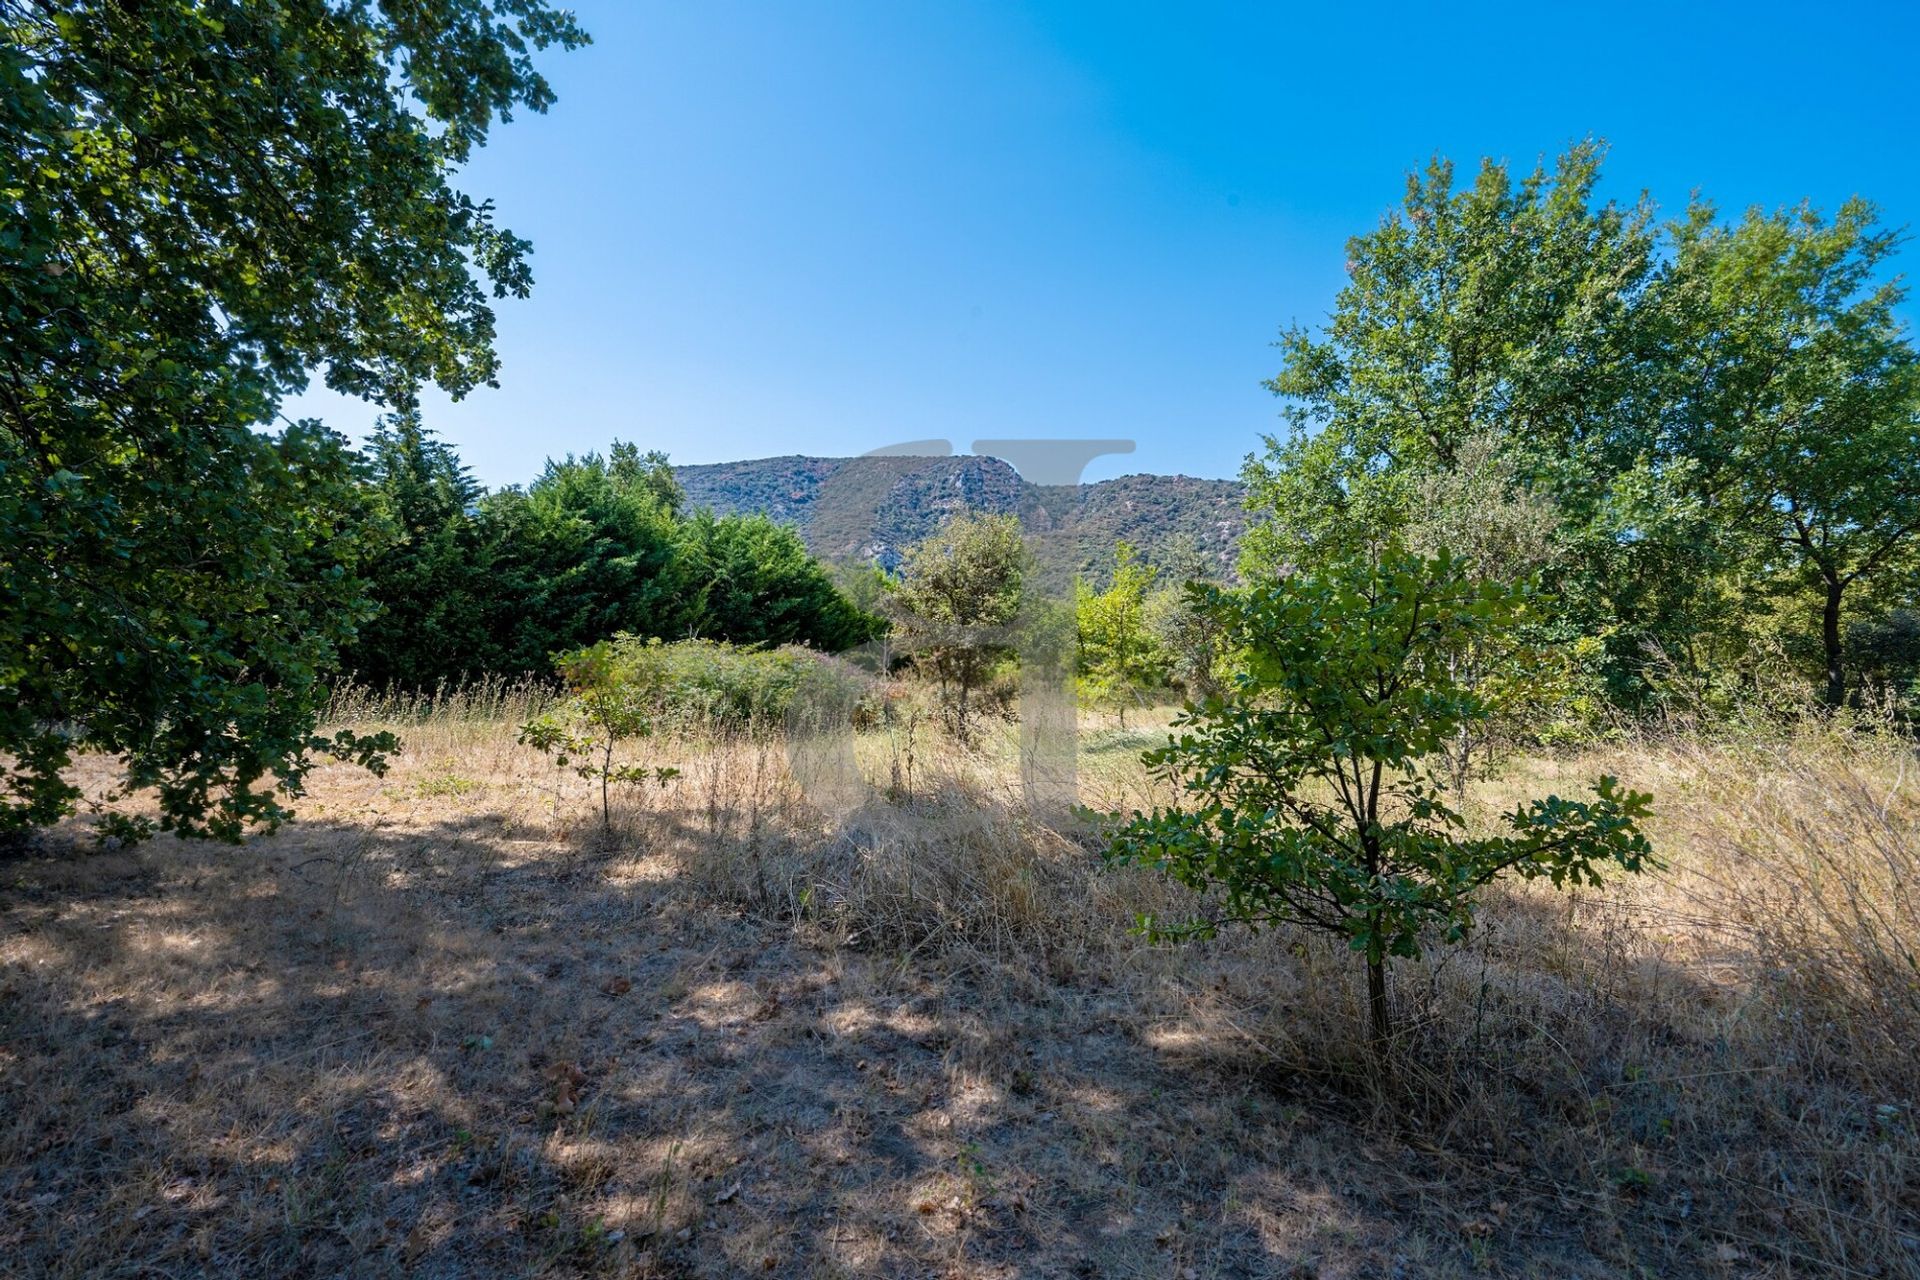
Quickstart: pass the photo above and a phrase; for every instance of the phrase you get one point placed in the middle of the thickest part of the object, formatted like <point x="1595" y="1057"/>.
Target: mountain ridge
<point x="872" y="508"/>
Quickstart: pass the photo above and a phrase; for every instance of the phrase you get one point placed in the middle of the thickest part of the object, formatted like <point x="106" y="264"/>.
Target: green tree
<point x="613" y="690"/>
<point x="1190" y="640"/>
<point x="1886" y="650"/>
<point x="959" y="597"/>
<point x="1506" y="310"/>
<point x="1514" y="328"/>
<point x="1530" y="676"/>
<point x="203" y="200"/>
<point x="1683" y="420"/>
<point x="1310" y="797"/>
<point x="594" y="547"/>
<point x="650" y="473"/>
<point x="869" y="589"/>
<point x="590" y="549"/>
<point x="434" y="584"/>
<point x="1118" y="658"/>
<point x="754" y="583"/>
<point x="1481" y="510"/>
<point x="1801" y="410"/>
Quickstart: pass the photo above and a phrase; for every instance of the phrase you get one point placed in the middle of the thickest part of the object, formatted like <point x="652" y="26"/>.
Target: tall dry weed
<point x="1723" y="1050"/>
<point x="1808" y="848"/>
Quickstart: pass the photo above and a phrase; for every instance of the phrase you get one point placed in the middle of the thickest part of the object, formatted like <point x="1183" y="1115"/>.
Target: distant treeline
<point x="472" y="583"/>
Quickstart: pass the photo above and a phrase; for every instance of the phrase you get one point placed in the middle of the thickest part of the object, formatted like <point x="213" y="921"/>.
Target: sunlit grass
<point x="921" y="1036"/>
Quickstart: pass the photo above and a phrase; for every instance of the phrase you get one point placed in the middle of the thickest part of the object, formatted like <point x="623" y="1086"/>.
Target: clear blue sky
<point x="825" y="228"/>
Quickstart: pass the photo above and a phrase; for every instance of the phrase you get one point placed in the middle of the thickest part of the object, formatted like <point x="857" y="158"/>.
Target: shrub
<point x="697" y="687"/>
<point x="611" y="691"/>
<point x="1310" y="796"/>
<point x="960" y="597"/>
<point x="712" y="684"/>
<point x="1118" y="657"/>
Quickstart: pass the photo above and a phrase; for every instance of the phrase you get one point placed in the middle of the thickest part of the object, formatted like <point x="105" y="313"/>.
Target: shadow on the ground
<point x="441" y="1050"/>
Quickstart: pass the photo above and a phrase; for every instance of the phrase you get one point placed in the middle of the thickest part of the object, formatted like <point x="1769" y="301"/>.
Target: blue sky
<point x="827" y="228"/>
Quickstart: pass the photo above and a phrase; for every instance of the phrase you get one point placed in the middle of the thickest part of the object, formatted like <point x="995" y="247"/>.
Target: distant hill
<point x="873" y="509"/>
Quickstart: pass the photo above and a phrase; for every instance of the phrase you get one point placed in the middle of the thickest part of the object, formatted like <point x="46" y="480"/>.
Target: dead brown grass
<point x="442" y="1027"/>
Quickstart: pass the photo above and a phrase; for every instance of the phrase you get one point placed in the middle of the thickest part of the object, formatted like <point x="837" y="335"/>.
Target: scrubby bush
<point x="1887" y="652"/>
<point x="960" y="597"/>
<point x="611" y="692"/>
<point x="701" y="687"/>
<point x="714" y="684"/>
<point x="1310" y="795"/>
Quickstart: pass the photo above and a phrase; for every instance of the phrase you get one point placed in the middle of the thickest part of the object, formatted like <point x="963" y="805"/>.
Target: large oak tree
<point x="1708" y="412"/>
<point x="1797" y="398"/>
<point x="201" y="201"/>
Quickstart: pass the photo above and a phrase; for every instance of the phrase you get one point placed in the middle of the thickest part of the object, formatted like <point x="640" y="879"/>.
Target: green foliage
<point x="1673" y="425"/>
<point x="1489" y="344"/>
<point x="1437" y="339"/>
<point x="1886" y="652"/>
<point x="956" y="605"/>
<point x="708" y="684"/>
<point x="1117" y="654"/>
<point x="183" y="626"/>
<point x="1480" y="510"/>
<point x="757" y="585"/>
<point x="1190" y="641"/>
<point x="433" y="585"/>
<point x="1811" y="428"/>
<point x="1539" y="677"/>
<point x="589" y="549"/>
<point x="612" y="691"/>
<point x="596" y="546"/>
<point x="1309" y="794"/>
<point x="690" y="686"/>
<point x="202" y="202"/>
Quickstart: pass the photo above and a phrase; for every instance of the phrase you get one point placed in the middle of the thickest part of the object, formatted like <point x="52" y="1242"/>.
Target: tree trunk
<point x="1830" y="641"/>
<point x="606" y="770"/>
<point x="1377" y="1024"/>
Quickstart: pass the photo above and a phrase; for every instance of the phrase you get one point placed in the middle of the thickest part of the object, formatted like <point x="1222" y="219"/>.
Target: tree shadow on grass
<point x="439" y="1051"/>
<point x="1565" y="1099"/>
<point x="436" y="1049"/>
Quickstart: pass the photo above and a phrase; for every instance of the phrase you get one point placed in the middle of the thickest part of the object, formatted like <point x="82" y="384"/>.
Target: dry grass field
<point x="443" y="1026"/>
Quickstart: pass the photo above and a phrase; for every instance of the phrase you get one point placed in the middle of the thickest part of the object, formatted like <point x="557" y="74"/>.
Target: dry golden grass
<point x="443" y="1026"/>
